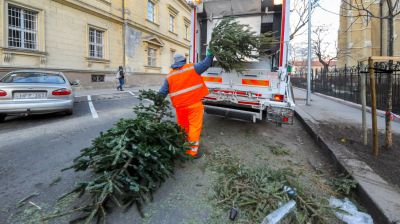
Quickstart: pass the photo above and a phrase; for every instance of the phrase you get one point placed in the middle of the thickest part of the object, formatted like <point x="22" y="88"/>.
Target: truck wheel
<point x="2" y="117"/>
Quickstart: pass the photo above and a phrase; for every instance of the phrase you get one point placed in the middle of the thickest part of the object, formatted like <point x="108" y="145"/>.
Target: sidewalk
<point x="85" y="92"/>
<point x="336" y="127"/>
<point x="323" y="110"/>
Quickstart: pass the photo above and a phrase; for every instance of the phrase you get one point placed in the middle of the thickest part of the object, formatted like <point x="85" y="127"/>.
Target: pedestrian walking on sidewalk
<point x="186" y="89"/>
<point x="121" y="78"/>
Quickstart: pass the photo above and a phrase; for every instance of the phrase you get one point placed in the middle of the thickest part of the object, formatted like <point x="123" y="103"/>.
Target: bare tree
<point x="321" y="48"/>
<point x="300" y="10"/>
<point x="363" y="9"/>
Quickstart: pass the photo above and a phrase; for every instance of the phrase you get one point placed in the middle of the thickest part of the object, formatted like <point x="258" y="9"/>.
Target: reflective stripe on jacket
<point x="186" y="87"/>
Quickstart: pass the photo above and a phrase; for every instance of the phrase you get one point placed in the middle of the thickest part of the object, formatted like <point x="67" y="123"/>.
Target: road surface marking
<point x="131" y="93"/>
<point x="91" y="106"/>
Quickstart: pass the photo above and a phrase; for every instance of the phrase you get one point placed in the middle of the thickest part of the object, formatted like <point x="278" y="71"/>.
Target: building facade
<point x="89" y="39"/>
<point x="362" y="37"/>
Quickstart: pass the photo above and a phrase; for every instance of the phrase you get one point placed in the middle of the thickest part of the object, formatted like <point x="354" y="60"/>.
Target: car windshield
<point x="33" y="77"/>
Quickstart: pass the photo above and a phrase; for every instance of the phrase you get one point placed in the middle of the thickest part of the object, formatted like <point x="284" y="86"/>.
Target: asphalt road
<point x="34" y="149"/>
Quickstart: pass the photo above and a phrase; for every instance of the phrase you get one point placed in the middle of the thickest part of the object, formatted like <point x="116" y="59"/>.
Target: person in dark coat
<point x="121" y="78"/>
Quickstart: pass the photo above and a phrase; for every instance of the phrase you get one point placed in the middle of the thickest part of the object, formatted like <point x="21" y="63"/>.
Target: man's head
<point x="179" y="58"/>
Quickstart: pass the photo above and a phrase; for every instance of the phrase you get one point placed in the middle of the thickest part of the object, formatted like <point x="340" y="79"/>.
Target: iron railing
<point x="344" y="83"/>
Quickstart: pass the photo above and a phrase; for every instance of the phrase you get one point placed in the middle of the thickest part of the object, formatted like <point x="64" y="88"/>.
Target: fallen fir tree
<point x="130" y="160"/>
<point x="234" y="44"/>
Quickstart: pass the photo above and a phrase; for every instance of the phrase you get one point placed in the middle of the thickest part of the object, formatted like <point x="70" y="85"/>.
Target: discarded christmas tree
<point x="234" y="44"/>
<point x="131" y="160"/>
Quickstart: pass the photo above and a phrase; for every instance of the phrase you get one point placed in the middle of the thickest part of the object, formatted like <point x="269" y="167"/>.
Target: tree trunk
<point x="389" y="97"/>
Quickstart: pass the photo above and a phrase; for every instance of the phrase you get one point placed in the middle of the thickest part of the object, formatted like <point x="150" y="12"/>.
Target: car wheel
<point x="2" y="117"/>
<point x="69" y="112"/>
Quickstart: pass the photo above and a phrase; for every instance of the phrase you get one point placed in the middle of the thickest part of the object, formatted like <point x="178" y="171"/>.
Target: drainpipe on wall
<point x="124" y="35"/>
<point x="381" y="26"/>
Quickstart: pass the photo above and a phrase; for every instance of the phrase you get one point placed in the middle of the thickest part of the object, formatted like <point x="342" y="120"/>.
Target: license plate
<point x="30" y="95"/>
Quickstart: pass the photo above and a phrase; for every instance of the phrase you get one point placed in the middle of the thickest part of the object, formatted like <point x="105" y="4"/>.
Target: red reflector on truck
<point x="255" y="82"/>
<point x="3" y="93"/>
<point x="248" y="103"/>
<point x="278" y="97"/>
<point x="212" y="79"/>
<point x="209" y="98"/>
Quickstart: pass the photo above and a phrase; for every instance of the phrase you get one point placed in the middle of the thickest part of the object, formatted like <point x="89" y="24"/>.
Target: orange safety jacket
<point x="186" y="87"/>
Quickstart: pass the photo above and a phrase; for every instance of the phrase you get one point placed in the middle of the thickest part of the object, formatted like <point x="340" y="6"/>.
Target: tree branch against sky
<point x="300" y="10"/>
<point x="321" y="46"/>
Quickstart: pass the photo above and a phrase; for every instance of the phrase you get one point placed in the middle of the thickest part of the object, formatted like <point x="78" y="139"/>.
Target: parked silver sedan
<point x="35" y="92"/>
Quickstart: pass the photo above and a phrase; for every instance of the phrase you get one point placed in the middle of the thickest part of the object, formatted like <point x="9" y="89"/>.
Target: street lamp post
<point x="309" y="55"/>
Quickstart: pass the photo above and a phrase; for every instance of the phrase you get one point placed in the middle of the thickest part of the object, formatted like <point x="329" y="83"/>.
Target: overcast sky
<point x="322" y="17"/>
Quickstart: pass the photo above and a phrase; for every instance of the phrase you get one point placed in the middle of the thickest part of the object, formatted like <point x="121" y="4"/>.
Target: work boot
<point x="199" y="154"/>
<point x="195" y="155"/>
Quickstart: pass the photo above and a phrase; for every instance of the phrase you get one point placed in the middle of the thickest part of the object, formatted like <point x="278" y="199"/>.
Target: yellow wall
<point x="139" y="27"/>
<point x="362" y="39"/>
<point x="63" y="35"/>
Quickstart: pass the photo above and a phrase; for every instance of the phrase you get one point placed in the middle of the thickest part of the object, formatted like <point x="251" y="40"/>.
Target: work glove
<point x="209" y="53"/>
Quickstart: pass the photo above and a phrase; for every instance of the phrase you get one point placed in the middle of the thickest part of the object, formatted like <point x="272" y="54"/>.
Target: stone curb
<point x="381" y="200"/>
<point x="380" y="113"/>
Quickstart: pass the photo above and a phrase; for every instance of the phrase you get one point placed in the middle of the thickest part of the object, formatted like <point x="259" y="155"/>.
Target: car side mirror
<point x="75" y="83"/>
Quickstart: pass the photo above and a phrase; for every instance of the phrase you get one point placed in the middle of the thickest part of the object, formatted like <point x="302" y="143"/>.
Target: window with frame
<point x="22" y="28"/>
<point x="151" y="11"/>
<point x="151" y="57"/>
<point x="96" y="43"/>
<point x="186" y="31"/>
<point x="172" y="23"/>
<point x="98" y="78"/>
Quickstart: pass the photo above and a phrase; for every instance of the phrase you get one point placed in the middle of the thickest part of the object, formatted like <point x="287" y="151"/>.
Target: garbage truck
<point x="263" y="90"/>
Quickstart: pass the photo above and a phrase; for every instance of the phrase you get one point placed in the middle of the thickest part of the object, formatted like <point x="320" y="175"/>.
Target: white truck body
<point x="261" y="91"/>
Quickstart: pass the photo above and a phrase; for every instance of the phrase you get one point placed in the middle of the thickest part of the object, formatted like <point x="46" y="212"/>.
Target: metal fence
<point x="344" y="83"/>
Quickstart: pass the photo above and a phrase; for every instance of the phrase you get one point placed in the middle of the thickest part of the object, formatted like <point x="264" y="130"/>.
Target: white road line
<point x="91" y="106"/>
<point x="131" y="93"/>
<point x="150" y="101"/>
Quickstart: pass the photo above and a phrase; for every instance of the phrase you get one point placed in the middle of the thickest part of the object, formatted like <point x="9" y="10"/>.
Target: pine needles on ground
<point x="131" y="160"/>
<point x="257" y="191"/>
<point x="343" y="184"/>
<point x="234" y="44"/>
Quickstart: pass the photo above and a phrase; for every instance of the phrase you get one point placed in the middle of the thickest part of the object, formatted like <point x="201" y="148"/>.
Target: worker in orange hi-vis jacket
<point x="186" y="89"/>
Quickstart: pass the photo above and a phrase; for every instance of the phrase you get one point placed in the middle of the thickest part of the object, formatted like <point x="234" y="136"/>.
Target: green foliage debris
<point x="257" y="191"/>
<point x="279" y="150"/>
<point x="23" y="201"/>
<point x="130" y="160"/>
<point x="343" y="184"/>
<point x="234" y="44"/>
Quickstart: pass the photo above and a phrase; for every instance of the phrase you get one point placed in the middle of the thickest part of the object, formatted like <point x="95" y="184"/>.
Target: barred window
<point x="96" y="43"/>
<point x="150" y="11"/>
<point x="152" y="57"/>
<point x="98" y="78"/>
<point x="22" y="28"/>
